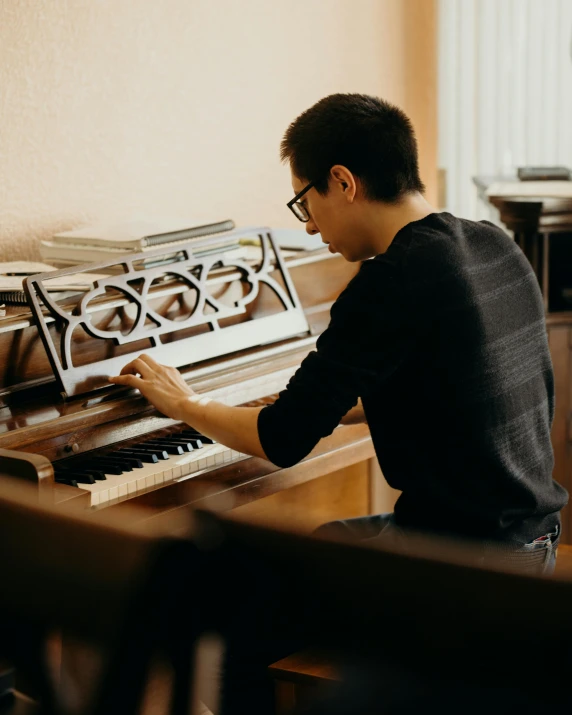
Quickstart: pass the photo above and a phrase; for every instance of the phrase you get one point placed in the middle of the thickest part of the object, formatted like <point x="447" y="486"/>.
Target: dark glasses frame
<point x="298" y="209"/>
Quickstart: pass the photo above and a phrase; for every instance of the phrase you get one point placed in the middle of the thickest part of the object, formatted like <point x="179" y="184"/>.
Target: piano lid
<point x="177" y="307"/>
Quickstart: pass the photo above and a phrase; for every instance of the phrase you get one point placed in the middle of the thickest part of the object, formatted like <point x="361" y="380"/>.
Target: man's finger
<point x="136" y="367"/>
<point x="149" y="360"/>
<point x="129" y="380"/>
<point x="129" y="369"/>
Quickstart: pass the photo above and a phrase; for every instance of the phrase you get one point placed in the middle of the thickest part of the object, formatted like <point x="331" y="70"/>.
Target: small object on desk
<point x="544" y="173"/>
<point x="2" y="310"/>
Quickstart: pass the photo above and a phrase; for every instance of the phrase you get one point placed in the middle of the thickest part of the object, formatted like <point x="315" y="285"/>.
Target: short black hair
<point x="371" y="137"/>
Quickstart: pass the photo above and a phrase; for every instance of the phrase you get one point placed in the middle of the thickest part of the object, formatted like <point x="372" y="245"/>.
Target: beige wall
<point x="111" y="109"/>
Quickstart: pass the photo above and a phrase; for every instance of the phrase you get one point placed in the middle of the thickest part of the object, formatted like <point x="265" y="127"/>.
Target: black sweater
<point x="444" y="339"/>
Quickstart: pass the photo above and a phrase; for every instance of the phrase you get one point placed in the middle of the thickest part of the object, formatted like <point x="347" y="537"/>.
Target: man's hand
<point x="163" y="386"/>
<point x="235" y="427"/>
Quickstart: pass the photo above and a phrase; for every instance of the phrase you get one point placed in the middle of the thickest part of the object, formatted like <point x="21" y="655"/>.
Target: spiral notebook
<point x="12" y="274"/>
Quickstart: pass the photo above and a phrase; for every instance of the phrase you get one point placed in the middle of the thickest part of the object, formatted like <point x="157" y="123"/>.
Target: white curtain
<point x="505" y="91"/>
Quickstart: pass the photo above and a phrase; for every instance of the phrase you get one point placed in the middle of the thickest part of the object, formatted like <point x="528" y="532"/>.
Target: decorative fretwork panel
<point x="168" y="303"/>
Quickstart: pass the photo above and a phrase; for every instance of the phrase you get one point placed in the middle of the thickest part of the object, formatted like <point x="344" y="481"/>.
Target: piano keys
<point x="121" y="473"/>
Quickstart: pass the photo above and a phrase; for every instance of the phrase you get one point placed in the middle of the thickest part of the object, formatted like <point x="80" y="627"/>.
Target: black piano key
<point x="182" y="442"/>
<point x="193" y="434"/>
<point x="112" y="461"/>
<point x="161" y="440"/>
<point x="63" y="480"/>
<point x="142" y="447"/>
<point x="65" y="470"/>
<point x="143" y="456"/>
<point x="78" y="477"/>
<point x="97" y="474"/>
<point x="107" y="468"/>
<point x="170" y="447"/>
<point x="119" y="459"/>
<point x="194" y="441"/>
<point x="132" y="462"/>
<point x="187" y="445"/>
<point x="75" y="471"/>
<point x="89" y="463"/>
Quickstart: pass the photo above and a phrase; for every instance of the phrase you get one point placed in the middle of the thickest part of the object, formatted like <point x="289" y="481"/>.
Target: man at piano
<point x="439" y="342"/>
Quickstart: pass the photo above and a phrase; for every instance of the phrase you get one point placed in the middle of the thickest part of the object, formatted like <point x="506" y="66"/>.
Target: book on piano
<point x="92" y="244"/>
<point x="138" y="235"/>
<point x="70" y="255"/>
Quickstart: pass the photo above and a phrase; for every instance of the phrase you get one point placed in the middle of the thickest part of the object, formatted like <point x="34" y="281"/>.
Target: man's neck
<point x="384" y="220"/>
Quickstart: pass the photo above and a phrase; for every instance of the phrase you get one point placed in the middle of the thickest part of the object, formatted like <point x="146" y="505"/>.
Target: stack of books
<point x="99" y="243"/>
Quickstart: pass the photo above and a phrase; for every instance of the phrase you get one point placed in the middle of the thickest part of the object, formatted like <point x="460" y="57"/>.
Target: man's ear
<point x="343" y="179"/>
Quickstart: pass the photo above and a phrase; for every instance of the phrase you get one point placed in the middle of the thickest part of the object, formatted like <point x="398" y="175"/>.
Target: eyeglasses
<point x="298" y="209"/>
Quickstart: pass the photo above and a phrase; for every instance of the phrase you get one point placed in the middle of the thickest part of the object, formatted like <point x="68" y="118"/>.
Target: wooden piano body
<point x="41" y="431"/>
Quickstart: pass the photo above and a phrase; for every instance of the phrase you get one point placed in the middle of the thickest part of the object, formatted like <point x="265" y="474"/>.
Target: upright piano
<point x="236" y="326"/>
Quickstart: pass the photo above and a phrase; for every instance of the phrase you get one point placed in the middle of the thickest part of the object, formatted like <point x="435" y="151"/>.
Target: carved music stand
<point x="173" y="305"/>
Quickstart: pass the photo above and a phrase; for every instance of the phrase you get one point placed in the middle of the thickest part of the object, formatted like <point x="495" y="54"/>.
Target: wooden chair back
<point x="422" y="607"/>
<point x="99" y="582"/>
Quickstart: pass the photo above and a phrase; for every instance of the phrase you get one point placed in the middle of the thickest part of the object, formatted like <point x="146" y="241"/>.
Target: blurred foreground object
<point x="416" y="624"/>
<point x="80" y="582"/>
